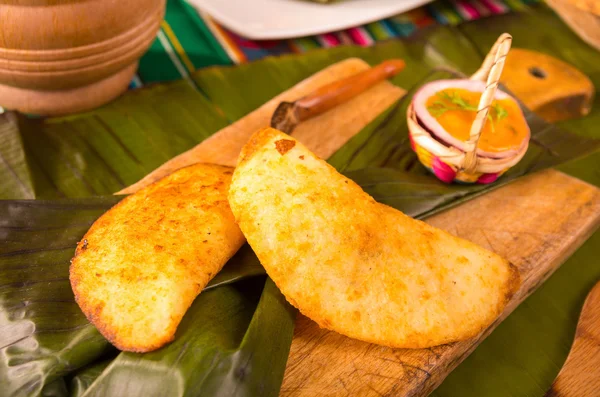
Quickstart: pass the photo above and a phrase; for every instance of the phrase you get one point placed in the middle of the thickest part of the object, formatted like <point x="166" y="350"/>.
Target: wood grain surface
<point x="334" y="94"/>
<point x="536" y="222"/>
<point x="580" y="376"/>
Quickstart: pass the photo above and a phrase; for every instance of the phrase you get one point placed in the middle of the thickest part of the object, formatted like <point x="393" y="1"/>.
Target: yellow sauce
<point x="455" y="109"/>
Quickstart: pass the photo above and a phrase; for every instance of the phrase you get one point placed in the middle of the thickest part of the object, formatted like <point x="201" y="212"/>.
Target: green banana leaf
<point x="16" y="180"/>
<point x="40" y="237"/>
<point x="86" y="376"/>
<point x="44" y="333"/>
<point x="211" y="354"/>
<point x="39" y="317"/>
<point x="58" y="388"/>
<point x="99" y="152"/>
<point x="45" y="336"/>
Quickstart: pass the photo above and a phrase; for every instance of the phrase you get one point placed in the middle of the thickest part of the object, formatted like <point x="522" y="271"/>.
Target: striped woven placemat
<point x="445" y="12"/>
<point x="189" y="39"/>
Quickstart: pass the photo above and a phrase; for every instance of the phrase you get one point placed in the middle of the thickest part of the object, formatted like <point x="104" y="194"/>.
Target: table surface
<point x="188" y="41"/>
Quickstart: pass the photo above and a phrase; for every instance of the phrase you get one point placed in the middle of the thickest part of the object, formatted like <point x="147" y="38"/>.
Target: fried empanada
<point x="356" y="266"/>
<point x="141" y="264"/>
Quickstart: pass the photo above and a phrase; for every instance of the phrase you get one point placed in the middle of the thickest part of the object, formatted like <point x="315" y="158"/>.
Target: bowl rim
<point x="432" y="125"/>
<point x="91" y="61"/>
<point x="454" y="156"/>
<point x="60" y="54"/>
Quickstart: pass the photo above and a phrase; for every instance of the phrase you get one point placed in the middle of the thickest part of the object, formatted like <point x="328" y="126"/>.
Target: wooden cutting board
<point x="323" y="134"/>
<point x="535" y="222"/>
<point x="580" y="375"/>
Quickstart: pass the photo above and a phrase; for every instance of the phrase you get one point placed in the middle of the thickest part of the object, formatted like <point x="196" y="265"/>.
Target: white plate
<point x="281" y="19"/>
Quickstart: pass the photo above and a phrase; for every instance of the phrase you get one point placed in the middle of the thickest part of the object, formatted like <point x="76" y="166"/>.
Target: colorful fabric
<point x="189" y="39"/>
<point x="183" y="44"/>
<point x="445" y="12"/>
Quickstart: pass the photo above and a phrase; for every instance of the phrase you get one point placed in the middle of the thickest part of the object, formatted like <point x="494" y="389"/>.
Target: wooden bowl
<point x="583" y="16"/>
<point x="64" y="56"/>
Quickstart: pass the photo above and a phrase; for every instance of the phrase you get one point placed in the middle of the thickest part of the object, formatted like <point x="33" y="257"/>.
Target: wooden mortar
<point x="65" y="56"/>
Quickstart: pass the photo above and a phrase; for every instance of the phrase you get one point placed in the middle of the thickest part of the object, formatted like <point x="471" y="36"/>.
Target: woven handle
<point x="492" y="68"/>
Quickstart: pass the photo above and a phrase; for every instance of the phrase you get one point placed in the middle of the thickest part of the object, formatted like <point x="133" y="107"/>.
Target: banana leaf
<point x="46" y="337"/>
<point x="16" y="180"/>
<point x="86" y="376"/>
<point x="33" y="257"/>
<point x="43" y="333"/>
<point x="58" y="388"/>
<point x="211" y="354"/>
<point x="100" y="151"/>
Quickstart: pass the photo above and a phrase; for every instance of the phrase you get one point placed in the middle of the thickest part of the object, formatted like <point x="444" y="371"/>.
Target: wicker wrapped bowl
<point x="451" y="159"/>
